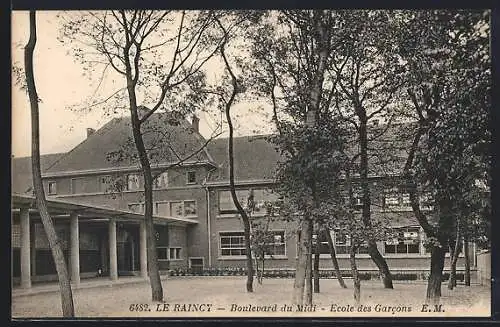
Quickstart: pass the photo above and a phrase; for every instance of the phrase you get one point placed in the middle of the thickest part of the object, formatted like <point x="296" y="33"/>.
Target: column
<point x="25" y="248"/>
<point x="75" y="248"/>
<point x="143" y="249"/>
<point x="33" y="249"/>
<point x="113" y="262"/>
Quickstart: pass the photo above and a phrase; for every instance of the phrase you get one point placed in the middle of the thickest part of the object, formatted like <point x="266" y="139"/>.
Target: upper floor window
<point x="52" y="187"/>
<point x="256" y="199"/>
<point x="426" y="201"/>
<point x="133" y="182"/>
<point x="161" y="181"/>
<point x="393" y="198"/>
<point x="191" y="177"/>
<point x="185" y="208"/>
<point x="105" y="183"/>
<point x="79" y="185"/>
<point x="136" y="207"/>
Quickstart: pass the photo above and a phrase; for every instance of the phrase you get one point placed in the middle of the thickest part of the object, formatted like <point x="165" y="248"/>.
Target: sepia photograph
<point x="251" y="163"/>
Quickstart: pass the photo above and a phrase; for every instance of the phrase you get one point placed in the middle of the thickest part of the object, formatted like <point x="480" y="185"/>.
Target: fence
<point x="484" y="268"/>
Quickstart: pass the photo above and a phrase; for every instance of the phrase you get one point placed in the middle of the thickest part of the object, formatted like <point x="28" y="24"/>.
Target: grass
<point x="406" y="299"/>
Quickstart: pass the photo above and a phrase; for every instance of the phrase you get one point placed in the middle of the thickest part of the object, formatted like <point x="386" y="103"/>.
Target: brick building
<point x="96" y="197"/>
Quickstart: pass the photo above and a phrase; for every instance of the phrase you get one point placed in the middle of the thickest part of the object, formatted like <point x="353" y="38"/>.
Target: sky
<point x="61" y="85"/>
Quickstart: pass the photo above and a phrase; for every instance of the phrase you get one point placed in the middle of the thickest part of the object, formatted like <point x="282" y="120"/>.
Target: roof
<point x="112" y="146"/>
<point x="65" y="206"/>
<point x="255" y="158"/>
<point x="21" y="171"/>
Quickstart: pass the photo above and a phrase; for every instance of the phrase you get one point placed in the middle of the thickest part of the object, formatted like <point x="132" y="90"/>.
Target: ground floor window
<point x="174" y="253"/>
<point x="162" y="252"/>
<point x="278" y="247"/>
<point x="232" y="243"/>
<point x="404" y="241"/>
<point x="341" y="242"/>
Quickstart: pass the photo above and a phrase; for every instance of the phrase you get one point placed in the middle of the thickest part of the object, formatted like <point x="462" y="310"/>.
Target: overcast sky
<point x="61" y="85"/>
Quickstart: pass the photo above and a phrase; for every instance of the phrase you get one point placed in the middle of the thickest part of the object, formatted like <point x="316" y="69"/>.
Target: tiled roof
<point x="112" y="146"/>
<point x="255" y="158"/>
<point x="21" y="171"/>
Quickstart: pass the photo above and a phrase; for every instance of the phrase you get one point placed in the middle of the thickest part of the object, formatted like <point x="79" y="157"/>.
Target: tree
<point x="448" y="82"/>
<point x="41" y="202"/>
<point x="226" y="94"/>
<point x="262" y="240"/>
<point x="367" y="91"/>
<point x="143" y="49"/>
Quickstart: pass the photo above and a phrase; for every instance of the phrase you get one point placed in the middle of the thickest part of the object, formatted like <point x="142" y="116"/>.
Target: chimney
<point x="90" y="131"/>
<point x="195" y="123"/>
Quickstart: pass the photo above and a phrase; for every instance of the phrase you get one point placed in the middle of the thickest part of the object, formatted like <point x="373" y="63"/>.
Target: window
<point x="80" y="185"/>
<point x="406" y="200"/>
<point x="163" y="208"/>
<point x="404" y="240"/>
<point x="279" y="246"/>
<point x="393" y="198"/>
<point x="136" y="207"/>
<point x="133" y="182"/>
<point x="342" y="243"/>
<point x="357" y="198"/>
<point x="426" y="201"/>
<point x="161" y="181"/>
<point x="162" y="252"/>
<point x="189" y="208"/>
<point x="191" y="177"/>
<point x="105" y="183"/>
<point x="256" y="198"/>
<point x="174" y="253"/>
<point x="176" y="209"/>
<point x="226" y="204"/>
<point x="52" y="188"/>
<point x="232" y="244"/>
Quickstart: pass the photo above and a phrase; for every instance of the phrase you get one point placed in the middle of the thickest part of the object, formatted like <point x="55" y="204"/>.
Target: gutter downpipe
<point x="209" y="224"/>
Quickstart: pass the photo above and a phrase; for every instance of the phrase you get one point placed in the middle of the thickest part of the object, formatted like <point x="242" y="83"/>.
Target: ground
<point x="226" y="296"/>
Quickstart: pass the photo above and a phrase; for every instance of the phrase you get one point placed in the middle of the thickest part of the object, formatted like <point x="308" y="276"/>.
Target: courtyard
<point x="226" y="297"/>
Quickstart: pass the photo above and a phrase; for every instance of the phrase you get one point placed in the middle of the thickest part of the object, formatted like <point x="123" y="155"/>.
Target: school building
<point x="95" y="196"/>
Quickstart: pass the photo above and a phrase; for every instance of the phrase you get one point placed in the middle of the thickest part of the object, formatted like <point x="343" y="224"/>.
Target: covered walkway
<point x="25" y="213"/>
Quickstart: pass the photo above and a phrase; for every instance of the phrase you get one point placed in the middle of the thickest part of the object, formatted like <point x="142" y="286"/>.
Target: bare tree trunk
<point x="153" y="268"/>
<point x="230" y="150"/>
<point x="333" y="256"/>
<point x="373" y="251"/>
<point x="316" y="266"/>
<point x="452" y="281"/>
<point x="300" y="270"/>
<point x="68" y="309"/>
<point x="309" y="283"/>
<point x="263" y="267"/>
<point x="355" y="275"/>
<point x="467" y="261"/>
<point x="436" y="276"/>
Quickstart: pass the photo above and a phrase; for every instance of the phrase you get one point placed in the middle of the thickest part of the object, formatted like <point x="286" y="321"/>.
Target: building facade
<point x="196" y="223"/>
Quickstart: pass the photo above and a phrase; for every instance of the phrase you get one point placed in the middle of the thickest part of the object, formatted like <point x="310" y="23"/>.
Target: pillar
<point x="75" y="248"/>
<point x="33" y="249"/>
<point x="25" y="248"/>
<point x="143" y="249"/>
<point x="113" y="262"/>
